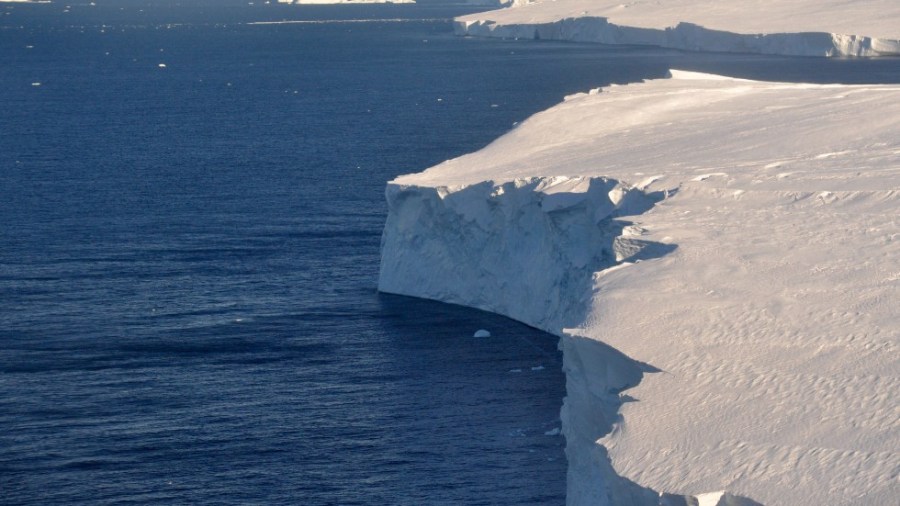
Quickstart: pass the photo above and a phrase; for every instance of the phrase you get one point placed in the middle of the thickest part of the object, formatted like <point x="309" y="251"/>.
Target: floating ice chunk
<point x="515" y="370"/>
<point x="482" y="333"/>
<point x="35" y="84"/>
<point x="162" y="65"/>
<point x="552" y="432"/>
<point x="538" y="368"/>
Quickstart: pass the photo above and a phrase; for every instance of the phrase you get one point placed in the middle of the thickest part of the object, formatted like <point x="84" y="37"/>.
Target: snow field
<point x="720" y="258"/>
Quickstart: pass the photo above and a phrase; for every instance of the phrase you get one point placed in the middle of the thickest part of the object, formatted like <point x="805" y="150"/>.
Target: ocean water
<point x="191" y="206"/>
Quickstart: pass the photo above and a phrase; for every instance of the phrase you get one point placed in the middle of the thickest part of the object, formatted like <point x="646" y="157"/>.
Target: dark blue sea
<point x="191" y="206"/>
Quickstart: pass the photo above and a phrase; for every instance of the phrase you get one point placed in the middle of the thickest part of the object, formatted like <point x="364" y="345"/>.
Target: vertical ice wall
<point x="529" y="249"/>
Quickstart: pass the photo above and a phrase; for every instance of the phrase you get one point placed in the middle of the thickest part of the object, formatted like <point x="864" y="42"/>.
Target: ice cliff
<point x="341" y="2"/>
<point x="796" y="27"/>
<point x="719" y="258"/>
<point x="519" y="248"/>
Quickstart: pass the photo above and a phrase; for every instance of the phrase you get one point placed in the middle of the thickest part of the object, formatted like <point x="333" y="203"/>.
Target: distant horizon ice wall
<point x="330" y="2"/>
<point x="798" y="28"/>
<point x="684" y="36"/>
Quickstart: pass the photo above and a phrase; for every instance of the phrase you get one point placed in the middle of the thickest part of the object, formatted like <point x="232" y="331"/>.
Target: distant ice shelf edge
<point x="331" y="2"/>
<point x="684" y="36"/>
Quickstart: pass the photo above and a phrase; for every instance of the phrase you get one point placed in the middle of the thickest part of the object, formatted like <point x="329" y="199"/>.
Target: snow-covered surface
<point x="726" y="252"/>
<point x="798" y="27"/>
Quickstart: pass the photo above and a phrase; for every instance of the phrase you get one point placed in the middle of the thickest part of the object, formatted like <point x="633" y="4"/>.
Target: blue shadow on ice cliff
<point x="530" y="249"/>
<point x="527" y="249"/>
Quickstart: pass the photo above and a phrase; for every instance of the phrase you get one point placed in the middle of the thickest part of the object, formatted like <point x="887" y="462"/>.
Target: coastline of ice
<point x="339" y="2"/>
<point x="719" y="258"/>
<point x="800" y="27"/>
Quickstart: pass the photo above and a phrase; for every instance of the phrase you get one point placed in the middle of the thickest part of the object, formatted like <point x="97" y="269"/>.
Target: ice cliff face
<point x="684" y="36"/>
<point x="798" y="27"/>
<point x="531" y="249"/>
<point x="522" y="248"/>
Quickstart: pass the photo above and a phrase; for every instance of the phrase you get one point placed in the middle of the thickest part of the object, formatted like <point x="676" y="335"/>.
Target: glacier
<point x="796" y="27"/>
<point x="719" y="258"/>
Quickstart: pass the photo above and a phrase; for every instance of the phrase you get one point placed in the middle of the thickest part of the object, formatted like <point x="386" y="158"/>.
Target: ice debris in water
<point x="552" y="432"/>
<point x="482" y="333"/>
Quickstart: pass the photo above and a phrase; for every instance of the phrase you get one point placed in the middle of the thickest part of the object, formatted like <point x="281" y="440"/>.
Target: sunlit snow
<point x="720" y="258"/>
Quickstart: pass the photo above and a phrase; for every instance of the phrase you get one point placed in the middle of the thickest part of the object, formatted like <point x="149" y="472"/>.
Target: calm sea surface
<point x="190" y="214"/>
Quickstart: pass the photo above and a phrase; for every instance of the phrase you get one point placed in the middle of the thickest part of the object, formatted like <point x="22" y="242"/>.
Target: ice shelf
<point x="721" y="259"/>
<point x="795" y="27"/>
<point x="343" y="2"/>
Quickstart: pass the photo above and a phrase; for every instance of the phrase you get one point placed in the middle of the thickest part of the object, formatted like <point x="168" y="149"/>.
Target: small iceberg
<point x="482" y="333"/>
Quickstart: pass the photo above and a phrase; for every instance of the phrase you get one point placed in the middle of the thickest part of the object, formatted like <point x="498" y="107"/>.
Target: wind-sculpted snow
<point x="719" y="258"/>
<point x="798" y="27"/>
